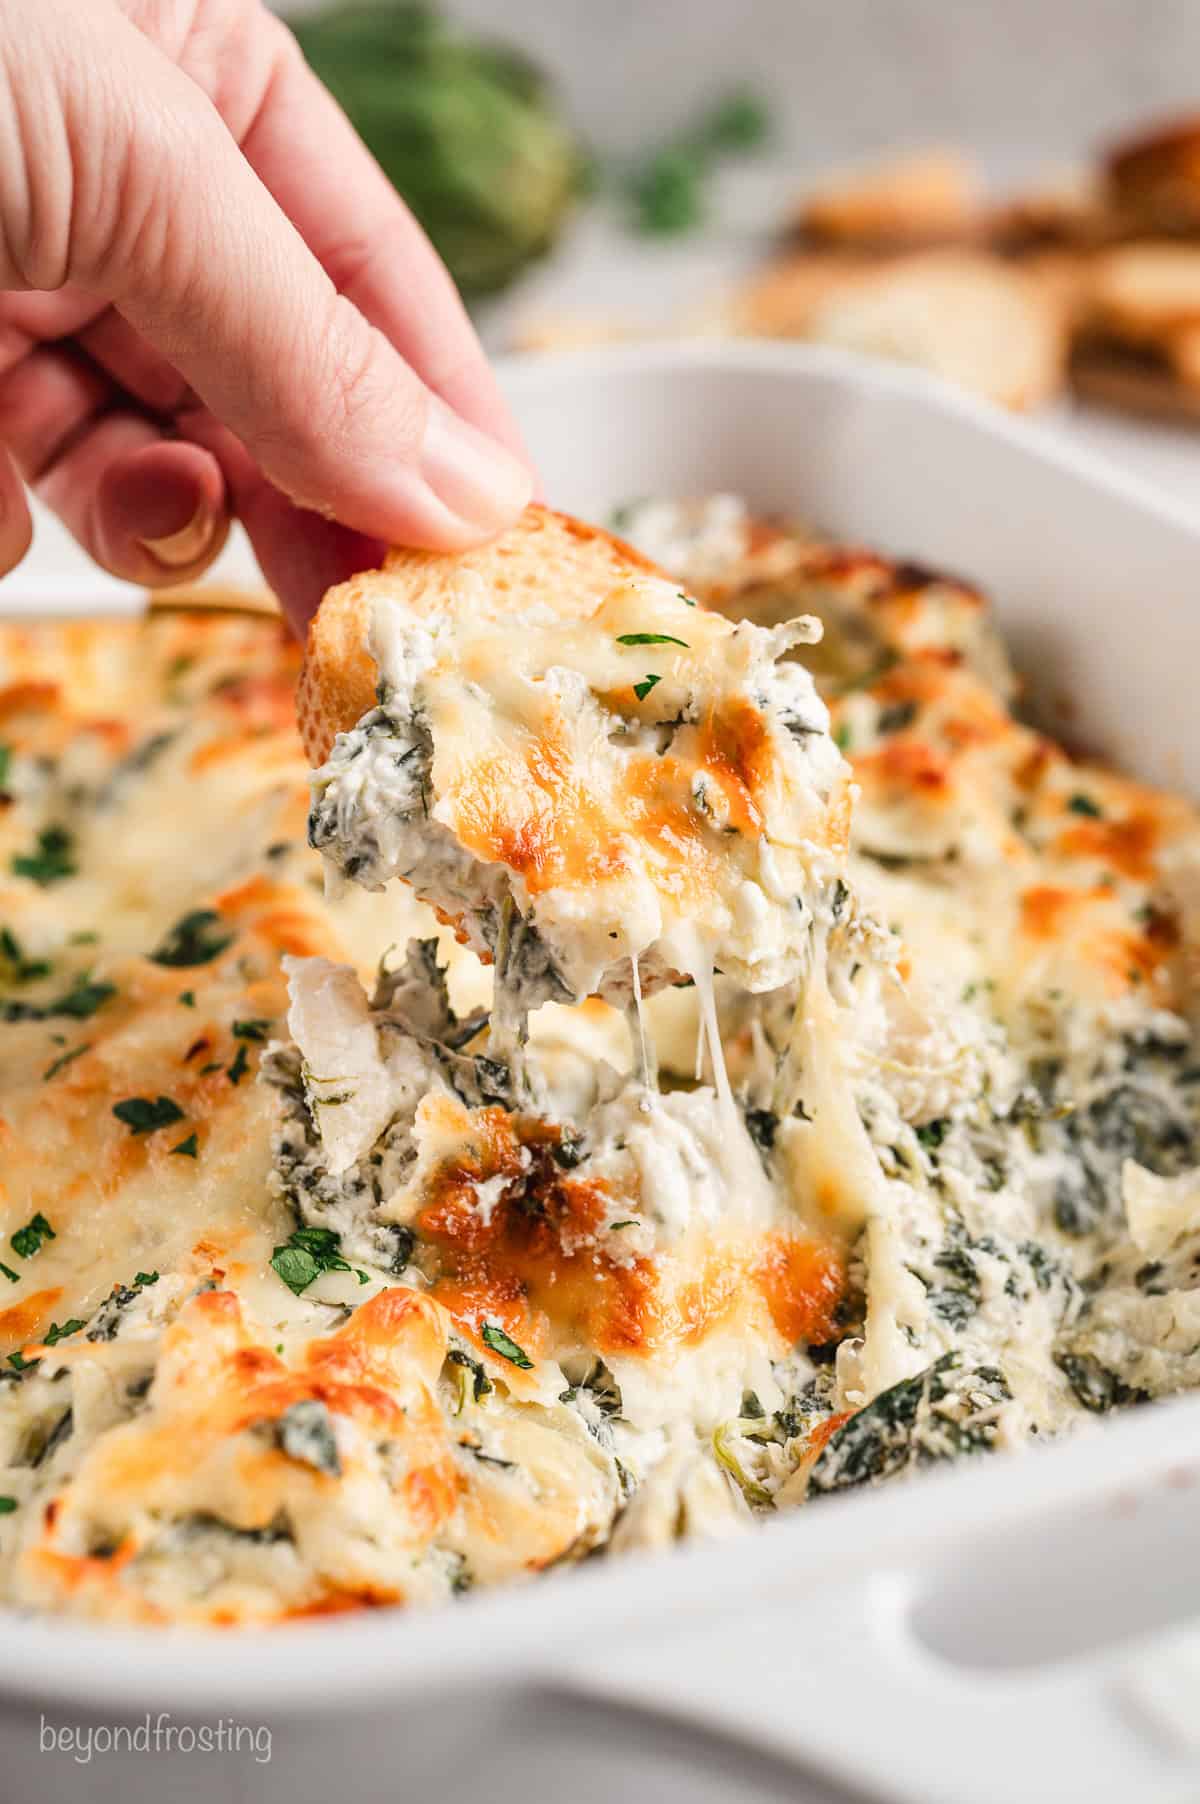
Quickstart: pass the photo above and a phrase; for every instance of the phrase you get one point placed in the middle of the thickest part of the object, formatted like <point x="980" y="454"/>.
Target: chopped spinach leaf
<point x="305" y="1433"/>
<point x="896" y="718"/>
<point x="648" y="682"/>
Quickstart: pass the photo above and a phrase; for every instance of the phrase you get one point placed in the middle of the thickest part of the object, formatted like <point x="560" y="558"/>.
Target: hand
<point x="216" y="301"/>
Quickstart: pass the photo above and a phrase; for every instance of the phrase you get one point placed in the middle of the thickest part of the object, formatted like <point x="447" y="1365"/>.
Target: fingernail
<point x="191" y="542"/>
<point x="472" y="475"/>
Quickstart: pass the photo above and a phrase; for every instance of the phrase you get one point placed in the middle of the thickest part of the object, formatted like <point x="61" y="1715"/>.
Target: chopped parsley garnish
<point x="642" y="689"/>
<point x="82" y="999"/>
<point x="53" y="860"/>
<point x="5" y="763"/>
<point x="196" y="939"/>
<point x="501" y="1343"/>
<point x="63" y="1060"/>
<point x="685" y="599"/>
<point x="142" y="1116"/>
<point x="1081" y="804"/>
<point x="186" y="1148"/>
<point x="250" y="1030"/>
<point x="19" y="1363"/>
<point x="141" y="1279"/>
<point x="7" y="1270"/>
<point x="32" y="1237"/>
<point x="7" y="1504"/>
<point x="188" y="998"/>
<point x="240" y="1066"/>
<point x="305" y="1255"/>
<point x="60" y="1330"/>
<point x="651" y="639"/>
<point x="25" y="970"/>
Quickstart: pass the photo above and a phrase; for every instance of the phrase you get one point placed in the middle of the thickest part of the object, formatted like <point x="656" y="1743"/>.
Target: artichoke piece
<point x="467" y="131"/>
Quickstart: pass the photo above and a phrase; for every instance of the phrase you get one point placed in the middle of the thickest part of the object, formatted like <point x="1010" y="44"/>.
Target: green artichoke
<point x="467" y="131"/>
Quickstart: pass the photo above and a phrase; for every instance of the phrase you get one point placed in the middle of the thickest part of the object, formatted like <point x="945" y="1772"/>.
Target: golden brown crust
<point x="1112" y="380"/>
<point x="1155" y="178"/>
<point x="924" y="198"/>
<point x="547" y="558"/>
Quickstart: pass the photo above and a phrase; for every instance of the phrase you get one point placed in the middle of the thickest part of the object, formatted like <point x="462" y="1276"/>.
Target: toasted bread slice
<point x="922" y="198"/>
<point x="1154" y="179"/>
<point x="970" y="318"/>
<point x="1144" y="292"/>
<point x="546" y="559"/>
<point x="598" y="782"/>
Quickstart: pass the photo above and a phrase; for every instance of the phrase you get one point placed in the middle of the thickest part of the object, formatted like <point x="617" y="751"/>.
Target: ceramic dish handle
<point x="1057" y="1660"/>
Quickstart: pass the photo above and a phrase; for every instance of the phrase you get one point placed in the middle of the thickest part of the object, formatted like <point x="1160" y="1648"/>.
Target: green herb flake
<point x="250" y="1030"/>
<point x="52" y="862"/>
<point x="82" y="999"/>
<point x="63" y="1060"/>
<point x="842" y="737"/>
<point x="499" y="1342"/>
<point x="196" y="939"/>
<point x="7" y="1270"/>
<point x="186" y="1148"/>
<point x="305" y="1255"/>
<point x="5" y="763"/>
<point x="142" y="1116"/>
<point x="240" y="1066"/>
<point x="685" y="599"/>
<point x="19" y="1363"/>
<point x="60" y="1330"/>
<point x="642" y="689"/>
<point x="651" y="639"/>
<point x="1081" y="804"/>
<point x="142" y="1279"/>
<point x="32" y="1237"/>
<point x="7" y="1505"/>
<point x="188" y="998"/>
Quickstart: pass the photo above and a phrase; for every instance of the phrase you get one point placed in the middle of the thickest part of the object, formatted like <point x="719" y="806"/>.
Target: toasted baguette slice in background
<point x="905" y="202"/>
<point x="547" y="559"/>
<point x="1154" y="179"/>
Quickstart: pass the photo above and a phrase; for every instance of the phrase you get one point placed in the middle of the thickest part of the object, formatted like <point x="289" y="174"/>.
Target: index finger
<point x="304" y="149"/>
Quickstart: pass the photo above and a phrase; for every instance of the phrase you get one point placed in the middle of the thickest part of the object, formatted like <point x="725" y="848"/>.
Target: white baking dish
<point x="1025" y="1629"/>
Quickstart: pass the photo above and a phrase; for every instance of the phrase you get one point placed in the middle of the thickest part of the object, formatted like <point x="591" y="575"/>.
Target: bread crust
<point x="547" y="558"/>
<point x="1154" y="179"/>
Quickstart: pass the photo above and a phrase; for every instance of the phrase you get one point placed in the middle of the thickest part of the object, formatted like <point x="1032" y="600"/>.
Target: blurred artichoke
<point x="467" y="131"/>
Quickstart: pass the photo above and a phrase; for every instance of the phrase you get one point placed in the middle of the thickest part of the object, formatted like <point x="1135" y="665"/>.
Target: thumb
<point x="174" y="228"/>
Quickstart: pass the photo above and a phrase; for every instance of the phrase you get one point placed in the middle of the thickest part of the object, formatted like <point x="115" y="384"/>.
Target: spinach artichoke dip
<point x="773" y="1075"/>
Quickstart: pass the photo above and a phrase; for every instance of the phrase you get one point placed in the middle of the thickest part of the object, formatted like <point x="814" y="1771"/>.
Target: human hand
<point x="215" y="300"/>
